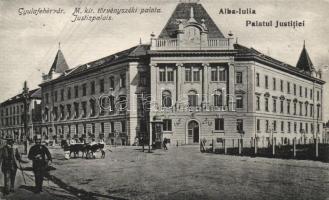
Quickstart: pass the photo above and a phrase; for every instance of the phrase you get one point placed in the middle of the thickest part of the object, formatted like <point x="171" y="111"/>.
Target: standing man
<point x="10" y="158"/>
<point x="38" y="154"/>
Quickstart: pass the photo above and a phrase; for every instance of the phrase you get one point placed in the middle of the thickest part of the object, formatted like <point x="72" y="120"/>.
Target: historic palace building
<point x="191" y="83"/>
<point x="12" y="115"/>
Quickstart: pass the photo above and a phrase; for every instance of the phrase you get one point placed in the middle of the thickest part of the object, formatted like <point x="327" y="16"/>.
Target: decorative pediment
<point x="239" y="92"/>
<point x="267" y="94"/>
<point x="306" y="102"/>
<point x="274" y="97"/>
<point x="258" y="93"/>
<point x="282" y="97"/>
<point x="295" y="100"/>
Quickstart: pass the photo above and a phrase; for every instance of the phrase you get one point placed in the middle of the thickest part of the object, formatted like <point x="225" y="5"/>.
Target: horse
<point x="91" y="149"/>
<point x="76" y="148"/>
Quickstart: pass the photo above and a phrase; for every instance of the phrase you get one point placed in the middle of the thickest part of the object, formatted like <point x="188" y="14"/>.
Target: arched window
<point x="218" y="98"/>
<point x="192" y="98"/>
<point x="166" y="99"/>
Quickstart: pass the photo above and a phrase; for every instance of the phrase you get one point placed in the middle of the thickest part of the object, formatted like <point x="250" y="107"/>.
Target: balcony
<point x="174" y="44"/>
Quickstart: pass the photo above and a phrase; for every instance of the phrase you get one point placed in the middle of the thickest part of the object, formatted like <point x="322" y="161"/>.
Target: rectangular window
<point x="300" y="108"/>
<point x="76" y="128"/>
<point x="282" y="126"/>
<point x="84" y="128"/>
<point x="69" y="93"/>
<point x="274" y="125"/>
<point x="219" y="124"/>
<point x="300" y="91"/>
<point x="266" y="104"/>
<point x="311" y="94"/>
<point x="257" y="103"/>
<point x="274" y="84"/>
<point x="274" y="105"/>
<point x="123" y="126"/>
<point x="196" y="75"/>
<point x="306" y="127"/>
<point x="62" y="94"/>
<point x="92" y="87"/>
<point x="93" y="128"/>
<point x="214" y="74"/>
<point x="112" y="127"/>
<point x="222" y="74"/>
<point x="239" y="102"/>
<point x="318" y="111"/>
<point x="305" y="92"/>
<point x="101" y="85"/>
<point x="167" y="125"/>
<point x="295" y="127"/>
<point x="266" y="82"/>
<point x="257" y="79"/>
<point x="170" y="75"/>
<point x="281" y="85"/>
<point x="300" y="127"/>
<point x="111" y="83"/>
<point x="288" y="87"/>
<point x="295" y="108"/>
<point x="289" y="128"/>
<point x="317" y="95"/>
<point x="55" y="96"/>
<point x="239" y="125"/>
<point x="238" y="77"/>
<point x="162" y="74"/>
<point x="311" y="110"/>
<point x="295" y="92"/>
<point x="102" y="128"/>
<point x="76" y="91"/>
<point x="258" y="125"/>
<point x="188" y="75"/>
<point x="84" y="89"/>
<point x="123" y="80"/>
<point x="306" y="109"/>
<point x="281" y="106"/>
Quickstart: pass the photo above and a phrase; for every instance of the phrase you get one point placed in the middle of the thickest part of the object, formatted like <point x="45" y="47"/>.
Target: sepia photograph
<point x="164" y="99"/>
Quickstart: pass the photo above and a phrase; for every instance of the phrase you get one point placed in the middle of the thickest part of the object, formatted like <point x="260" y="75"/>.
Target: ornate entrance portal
<point x="193" y="132"/>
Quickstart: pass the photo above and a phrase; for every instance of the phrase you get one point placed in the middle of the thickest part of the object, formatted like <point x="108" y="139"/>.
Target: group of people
<point x="11" y="160"/>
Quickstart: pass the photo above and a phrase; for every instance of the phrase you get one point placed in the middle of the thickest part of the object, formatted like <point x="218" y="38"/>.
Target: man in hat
<point x="10" y="158"/>
<point x="38" y="154"/>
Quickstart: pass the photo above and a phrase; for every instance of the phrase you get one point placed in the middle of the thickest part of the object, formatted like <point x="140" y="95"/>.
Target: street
<point x="179" y="173"/>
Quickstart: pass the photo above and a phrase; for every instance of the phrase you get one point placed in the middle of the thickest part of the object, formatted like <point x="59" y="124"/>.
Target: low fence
<point x="312" y="151"/>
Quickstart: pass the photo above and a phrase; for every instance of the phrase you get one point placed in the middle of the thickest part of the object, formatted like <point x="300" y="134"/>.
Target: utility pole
<point x="26" y="97"/>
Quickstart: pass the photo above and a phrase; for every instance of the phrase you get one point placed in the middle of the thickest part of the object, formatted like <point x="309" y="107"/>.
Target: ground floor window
<point x="167" y="125"/>
<point x="219" y="124"/>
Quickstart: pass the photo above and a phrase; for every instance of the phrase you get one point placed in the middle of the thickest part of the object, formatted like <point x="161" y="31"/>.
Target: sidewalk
<point x="25" y="191"/>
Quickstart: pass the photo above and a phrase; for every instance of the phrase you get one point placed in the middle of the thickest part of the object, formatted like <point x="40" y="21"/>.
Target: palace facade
<point x="191" y="83"/>
<point x="12" y="115"/>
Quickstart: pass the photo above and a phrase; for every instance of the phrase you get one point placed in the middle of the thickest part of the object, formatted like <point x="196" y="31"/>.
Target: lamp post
<point x="26" y="97"/>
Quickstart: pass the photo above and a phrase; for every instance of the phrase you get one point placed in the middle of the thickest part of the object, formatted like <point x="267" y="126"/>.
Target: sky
<point x="28" y="43"/>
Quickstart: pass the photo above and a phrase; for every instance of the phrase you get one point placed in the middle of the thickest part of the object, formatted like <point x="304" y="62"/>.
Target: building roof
<point x="33" y="94"/>
<point x="59" y="65"/>
<point x="304" y="61"/>
<point x="183" y="12"/>
<point x="247" y="53"/>
<point x="131" y="53"/>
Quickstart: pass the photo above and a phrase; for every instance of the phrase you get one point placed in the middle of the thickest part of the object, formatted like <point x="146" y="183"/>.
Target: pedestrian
<point x="10" y="158"/>
<point x="165" y="144"/>
<point x="38" y="154"/>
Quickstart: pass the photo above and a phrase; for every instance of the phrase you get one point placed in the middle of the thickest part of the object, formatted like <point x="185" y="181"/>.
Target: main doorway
<point x="193" y="132"/>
